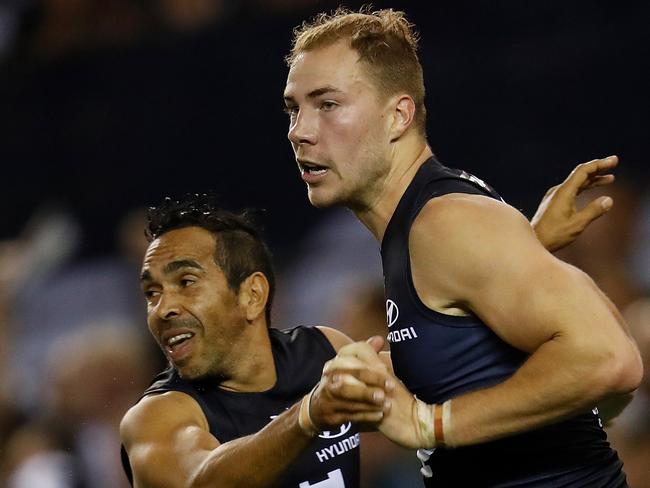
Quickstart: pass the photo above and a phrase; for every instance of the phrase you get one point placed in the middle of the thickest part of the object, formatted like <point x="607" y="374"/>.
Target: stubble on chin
<point x="201" y="370"/>
<point x="317" y="201"/>
<point x="320" y="198"/>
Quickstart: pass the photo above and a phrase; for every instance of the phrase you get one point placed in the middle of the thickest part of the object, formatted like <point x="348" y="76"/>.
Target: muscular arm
<point x="490" y="264"/>
<point x="169" y="445"/>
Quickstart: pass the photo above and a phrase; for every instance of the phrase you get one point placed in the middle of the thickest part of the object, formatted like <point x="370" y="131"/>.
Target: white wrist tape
<point x="446" y="423"/>
<point x="425" y="424"/>
<point x="433" y="424"/>
<point x="304" y="415"/>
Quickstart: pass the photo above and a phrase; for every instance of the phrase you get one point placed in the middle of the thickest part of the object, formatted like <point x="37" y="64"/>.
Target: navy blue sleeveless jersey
<point x="440" y="356"/>
<point x="332" y="460"/>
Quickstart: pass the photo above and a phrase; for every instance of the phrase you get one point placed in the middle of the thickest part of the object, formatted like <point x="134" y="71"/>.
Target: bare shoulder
<point x="460" y="212"/>
<point x="461" y="245"/>
<point x="452" y="226"/>
<point x="337" y="338"/>
<point x="160" y="434"/>
<point x="156" y="413"/>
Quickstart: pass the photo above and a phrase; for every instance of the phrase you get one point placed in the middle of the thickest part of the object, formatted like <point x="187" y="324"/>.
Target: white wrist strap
<point x="425" y="423"/>
<point x="433" y="423"/>
<point x="304" y="416"/>
<point x="446" y="423"/>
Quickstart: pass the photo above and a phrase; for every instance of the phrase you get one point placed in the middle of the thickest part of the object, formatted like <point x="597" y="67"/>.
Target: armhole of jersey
<point x="323" y="340"/>
<point x="442" y="319"/>
<point x="126" y="464"/>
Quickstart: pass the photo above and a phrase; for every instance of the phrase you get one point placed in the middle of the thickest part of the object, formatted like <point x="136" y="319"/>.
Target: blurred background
<point x="107" y="106"/>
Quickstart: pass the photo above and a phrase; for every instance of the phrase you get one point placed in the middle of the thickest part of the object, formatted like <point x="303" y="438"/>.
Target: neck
<point x="254" y="367"/>
<point x="405" y="165"/>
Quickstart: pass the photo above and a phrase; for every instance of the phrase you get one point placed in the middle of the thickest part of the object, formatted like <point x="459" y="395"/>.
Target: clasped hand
<point x="358" y="386"/>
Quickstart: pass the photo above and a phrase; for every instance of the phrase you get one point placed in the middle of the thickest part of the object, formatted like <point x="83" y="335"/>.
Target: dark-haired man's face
<point x="192" y="313"/>
<point x="339" y="126"/>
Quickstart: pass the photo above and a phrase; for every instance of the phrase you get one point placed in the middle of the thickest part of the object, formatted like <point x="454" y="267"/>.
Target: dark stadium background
<point x="517" y="92"/>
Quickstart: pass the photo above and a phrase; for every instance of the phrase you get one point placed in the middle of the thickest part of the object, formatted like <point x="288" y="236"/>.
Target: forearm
<point x="556" y="382"/>
<point x="257" y="460"/>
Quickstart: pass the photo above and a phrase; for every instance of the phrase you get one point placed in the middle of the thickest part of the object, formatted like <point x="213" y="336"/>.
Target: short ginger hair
<point x="385" y="41"/>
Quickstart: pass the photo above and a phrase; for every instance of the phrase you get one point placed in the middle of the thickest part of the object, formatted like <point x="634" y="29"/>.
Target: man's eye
<point x="291" y="111"/>
<point x="151" y="293"/>
<point x="328" y="105"/>
<point x="187" y="282"/>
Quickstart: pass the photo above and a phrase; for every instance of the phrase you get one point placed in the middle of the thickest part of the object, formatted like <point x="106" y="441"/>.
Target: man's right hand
<point x="360" y="369"/>
<point x="349" y="391"/>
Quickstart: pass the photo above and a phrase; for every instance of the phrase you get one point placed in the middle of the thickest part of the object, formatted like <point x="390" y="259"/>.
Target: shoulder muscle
<point x="166" y="437"/>
<point x="337" y="338"/>
<point x="483" y="255"/>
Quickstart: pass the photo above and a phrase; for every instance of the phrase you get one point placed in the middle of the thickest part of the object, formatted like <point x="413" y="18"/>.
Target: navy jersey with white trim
<point x="331" y="461"/>
<point x="440" y="356"/>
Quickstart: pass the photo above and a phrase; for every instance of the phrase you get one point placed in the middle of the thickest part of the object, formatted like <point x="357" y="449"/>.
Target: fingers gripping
<point x="348" y="378"/>
<point x="350" y="390"/>
<point x="365" y="351"/>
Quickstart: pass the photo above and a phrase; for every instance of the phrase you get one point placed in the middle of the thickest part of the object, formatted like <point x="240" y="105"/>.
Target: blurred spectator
<point x="362" y="313"/>
<point x="47" y="241"/>
<point x="606" y="249"/>
<point x="76" y="350"/>
<point x="191" y="15"/>
<point x="11" y="415"/>
<point x="57" y="294"/>
<point x="331" y="265"/>
<point x="92" y="377"/>
<point x="52" y="29"/>
<point x="641" y="253"/>
<point x="65" y="26"/>
<point x="10" y="13"/>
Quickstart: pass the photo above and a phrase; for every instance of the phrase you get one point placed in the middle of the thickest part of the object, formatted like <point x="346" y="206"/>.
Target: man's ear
<point x="403" y="116"/>
<point x="254" y="295"/>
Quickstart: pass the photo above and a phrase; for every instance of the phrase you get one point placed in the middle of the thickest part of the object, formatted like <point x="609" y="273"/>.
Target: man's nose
<point x="303" y="129"/>
<point x="168" y="306"/>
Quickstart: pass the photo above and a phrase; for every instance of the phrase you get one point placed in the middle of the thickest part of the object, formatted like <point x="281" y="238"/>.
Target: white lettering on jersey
<point x="400" y="335"/>
<point x="339" y="448"/>
<point x="334" y="480"/>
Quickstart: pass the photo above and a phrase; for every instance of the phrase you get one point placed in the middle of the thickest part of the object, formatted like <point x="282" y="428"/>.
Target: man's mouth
<point x="175" y="343"/>
<point x="312" y="169"/>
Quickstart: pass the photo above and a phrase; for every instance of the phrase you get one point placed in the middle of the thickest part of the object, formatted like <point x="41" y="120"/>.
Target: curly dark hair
<point x="240" y="248"/>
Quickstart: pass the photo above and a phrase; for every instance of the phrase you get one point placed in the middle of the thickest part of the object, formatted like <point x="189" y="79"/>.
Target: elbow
<point x="622" y="372"/>
<point x="630" y="373"/>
